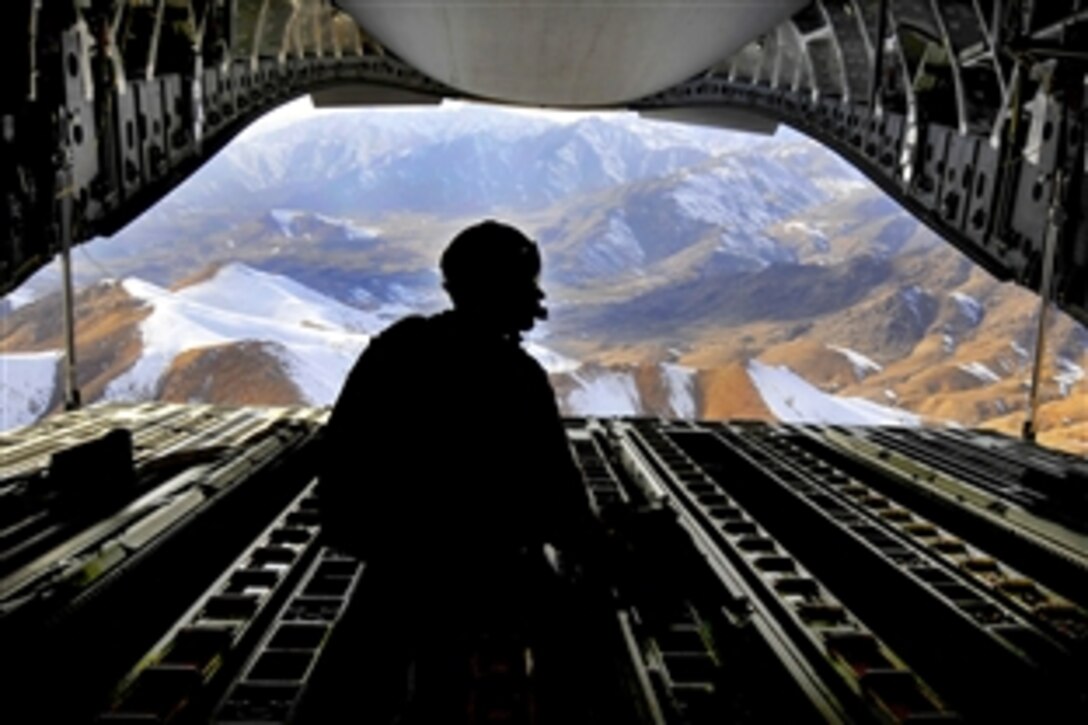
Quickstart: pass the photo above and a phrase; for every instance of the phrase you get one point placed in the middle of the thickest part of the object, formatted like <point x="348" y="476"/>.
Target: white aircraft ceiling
<point x="566" y="52"/>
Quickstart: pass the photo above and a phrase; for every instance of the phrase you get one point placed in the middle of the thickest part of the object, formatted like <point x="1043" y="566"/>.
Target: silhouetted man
<point x="446" y="464"/>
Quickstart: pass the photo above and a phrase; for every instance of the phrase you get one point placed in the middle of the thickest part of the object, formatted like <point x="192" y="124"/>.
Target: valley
<point x="690" y="273"/>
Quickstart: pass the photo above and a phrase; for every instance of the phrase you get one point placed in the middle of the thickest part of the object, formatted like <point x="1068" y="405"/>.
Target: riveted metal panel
<point x="929" y="180"/>
<point x="984" y="183"/>
<point x="128" y="143"/>
<point x="176" y="122"/>
<point x="1035" y="182"/>
<point x="151" y="128"/>
<point x="958" y="177"/>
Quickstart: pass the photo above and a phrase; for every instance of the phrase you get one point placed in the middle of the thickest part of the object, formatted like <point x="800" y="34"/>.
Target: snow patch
<point x="20" y="297"/>
<point x="316" y="338"/>
<point x="980" y="371"/>
<point x="862" y="365"/>
<point x="319" y="370"/>
<point x="419" y="300"/>
<point x="970" y="307"/>
<point x="840" y="188"/>
<point x="1069" y="374"/>
<point x="815" y="236"/>
<point x="354" y="231"/>
<point x="247" y="291"/>
<point x="607" y="394"/>
<point x="913" y="297"/>
<point x="805" y="228"/>
<point x="551" y="361"/>
<point x="284" y="218"/>
<point x="27" y="382"/>
<point x="624" y="241"/>
<point x="701" y="196"/>
<point x="792" y="399"/>
<point x="680" y="382"/>
<point x="616" y="248"/>
<point x="1019" y="349"/>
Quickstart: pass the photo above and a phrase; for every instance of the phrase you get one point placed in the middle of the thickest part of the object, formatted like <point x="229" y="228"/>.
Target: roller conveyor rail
<point x="1056" y="555"/>
<point x="1059" y="492"/>
<point x="1056" y="618"/>
<point x="968" y="638"/>
<point x="674" y="667"/>
<point x="82" y="554"/>
<point x="197" y="654"/>
<point x="85" y="583"/>
<point x="25" y="453"/>
<point x="846" y="671"/>
<point x="272" y="682"/>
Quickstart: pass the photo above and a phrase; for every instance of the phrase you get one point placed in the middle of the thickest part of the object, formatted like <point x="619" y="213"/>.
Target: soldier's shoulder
<point x="404" y="330"/>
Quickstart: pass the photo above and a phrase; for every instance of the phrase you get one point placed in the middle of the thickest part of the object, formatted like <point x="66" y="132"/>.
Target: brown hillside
<point x="652" y="389"/>
<point x="727" y="392"/>
<point x="939" y="379"/>
<point x="1062" y="423"/>
<point x="107" y="333"/>
<point x="245" y="373"/>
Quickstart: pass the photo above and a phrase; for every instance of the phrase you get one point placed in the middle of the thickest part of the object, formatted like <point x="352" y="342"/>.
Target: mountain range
<point x="242" y="336"/>
<point x="691" y="272"/>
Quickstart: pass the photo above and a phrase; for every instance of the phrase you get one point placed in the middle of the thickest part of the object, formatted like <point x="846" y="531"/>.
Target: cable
<point x="105" y="272"/>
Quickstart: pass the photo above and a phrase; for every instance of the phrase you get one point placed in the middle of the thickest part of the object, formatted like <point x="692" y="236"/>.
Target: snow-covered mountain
<point x="240" y="335"/>
<point x="689" y="273"/>
<point x="313" y="338"/>
<point x="28" y="386"/>
<point x="466" y="160"/>
<point x="712" y="216"/>
<point x="338" y="184"/>
<point x="267" y="334"/>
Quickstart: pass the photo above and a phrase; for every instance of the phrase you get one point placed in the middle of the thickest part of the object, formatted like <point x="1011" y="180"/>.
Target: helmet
<point x="489" y="256"/>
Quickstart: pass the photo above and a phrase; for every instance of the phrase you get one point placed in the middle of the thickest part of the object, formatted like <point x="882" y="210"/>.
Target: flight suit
<point x="445" y="468"/>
